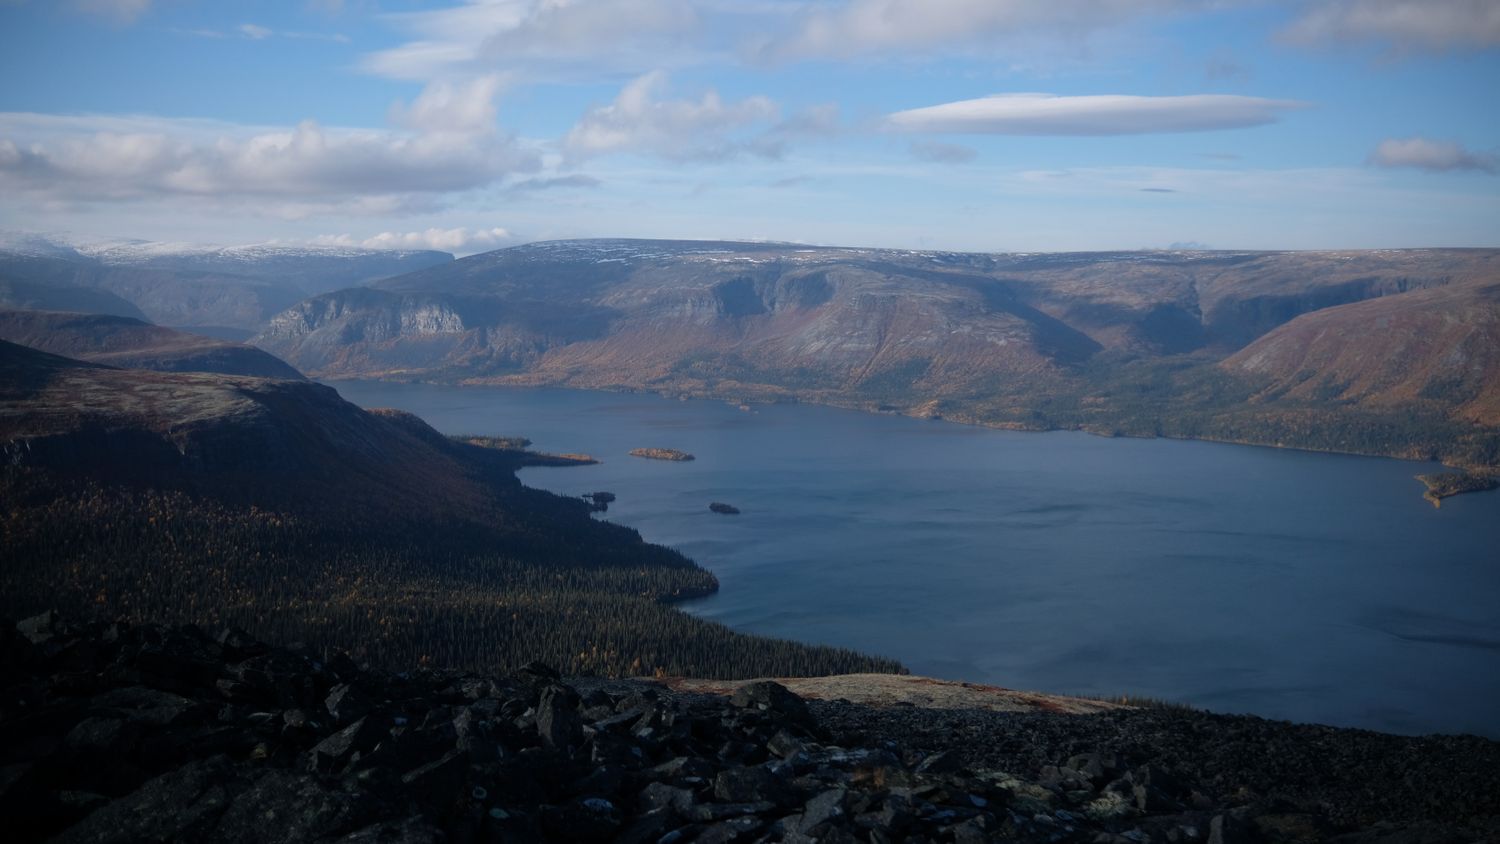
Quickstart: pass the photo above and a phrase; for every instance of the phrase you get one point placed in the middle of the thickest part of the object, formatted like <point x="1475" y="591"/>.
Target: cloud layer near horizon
<point x="1405" y="25"/>
<point x="1047" y="114"/>
<point x="458" y="240"/>
<point x="448" y="141"/>
<point x="1427" y="154"/>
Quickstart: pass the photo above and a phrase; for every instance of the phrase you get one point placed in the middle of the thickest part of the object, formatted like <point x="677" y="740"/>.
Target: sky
<point x="973" y="125"/>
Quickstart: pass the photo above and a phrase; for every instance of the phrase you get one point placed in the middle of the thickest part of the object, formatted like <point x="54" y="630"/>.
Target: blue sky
<point x="985" y="125"/>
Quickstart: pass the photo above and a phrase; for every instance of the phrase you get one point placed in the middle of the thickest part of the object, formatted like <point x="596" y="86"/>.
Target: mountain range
<point x="1389" y="352"/>
<point x="225" y="291"/>
<point x="1261" y="347"/>
<point x="129" y="343"/>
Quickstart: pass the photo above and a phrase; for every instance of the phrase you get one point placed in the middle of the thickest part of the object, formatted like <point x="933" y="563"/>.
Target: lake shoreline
<point x="1011" y="533"/>
<point x="876" y="409"/>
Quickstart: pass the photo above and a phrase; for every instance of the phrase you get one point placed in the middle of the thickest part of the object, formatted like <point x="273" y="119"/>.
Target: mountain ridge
<point x="1114" y="342"/>
<point x="135" y="344"/>
<point x="236" y="287"/>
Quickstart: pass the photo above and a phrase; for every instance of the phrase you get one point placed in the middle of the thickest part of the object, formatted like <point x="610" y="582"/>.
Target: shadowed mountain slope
<point x="132" y="344"/>
<point x="278" y="506"/>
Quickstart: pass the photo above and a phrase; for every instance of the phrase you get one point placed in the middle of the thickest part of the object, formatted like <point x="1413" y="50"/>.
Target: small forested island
<point x="724" y="509"/>
<point x="661" y="454"/>
<point x="1442" y="485"/>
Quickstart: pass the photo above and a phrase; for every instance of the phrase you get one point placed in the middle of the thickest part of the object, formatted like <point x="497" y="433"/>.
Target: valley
<point x="1264" y="348"/>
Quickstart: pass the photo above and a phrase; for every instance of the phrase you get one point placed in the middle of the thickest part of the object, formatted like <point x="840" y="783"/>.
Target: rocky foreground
<point x="143" y="733"/>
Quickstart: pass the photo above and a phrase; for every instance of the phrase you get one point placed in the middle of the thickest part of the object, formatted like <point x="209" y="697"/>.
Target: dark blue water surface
<point x="1288" y="584"/>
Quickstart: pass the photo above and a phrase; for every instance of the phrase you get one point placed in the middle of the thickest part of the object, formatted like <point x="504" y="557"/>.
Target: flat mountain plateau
<point x="1390" y="352"/>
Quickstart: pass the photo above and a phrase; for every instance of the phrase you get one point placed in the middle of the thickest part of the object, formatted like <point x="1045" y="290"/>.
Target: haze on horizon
<point x="978" y="125"/>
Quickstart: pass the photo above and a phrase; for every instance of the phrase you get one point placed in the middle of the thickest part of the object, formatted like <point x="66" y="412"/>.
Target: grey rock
<point x="284" y="806"/>
<point x="557" y="720"/>
<point x="769" y="696"/>
<point x="743" y="828"/>
<point x="438" y="781"/>
<point x="657" y="796"/>
<point x="149" y="707"/>
<point x="785" y="745"/>
<point x="821" y="809"/>
<point x="104" y="735"/>
<point x="752" y="785"/>
<point x="41" y="628"/>
<point x="336" y="751"/>
<point x="180" y="805"/>
<point x="407" y="831"/>
<point x="945" y="762"/>
<point x="588" y="819"/>
<point x="346" y="704"/>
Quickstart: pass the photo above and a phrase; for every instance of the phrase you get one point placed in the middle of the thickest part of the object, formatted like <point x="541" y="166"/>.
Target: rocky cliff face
<point x="133" y="344"/>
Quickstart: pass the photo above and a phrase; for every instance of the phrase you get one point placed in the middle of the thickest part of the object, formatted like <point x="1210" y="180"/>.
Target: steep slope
<point x="133" y="344"/>
<point x="1439" y="346"/>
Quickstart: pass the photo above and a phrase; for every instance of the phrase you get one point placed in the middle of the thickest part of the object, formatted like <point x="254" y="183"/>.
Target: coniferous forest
<point x="292" y="514"/>
<point x="453" y="595"/>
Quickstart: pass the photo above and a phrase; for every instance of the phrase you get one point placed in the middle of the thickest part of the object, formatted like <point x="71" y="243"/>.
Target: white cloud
<point x="254" y="32"/>
<point x="872" y="27"/>
<point x="1405" y="25"/>
<point x="640" y="121"/>
<point x="452" y="107"/>
<point x="1047" y="114"/>
<point x="124" y="11"/>
<point x="460" y="240"/>
<point x="453" y="145"/>
<point x="582" y="28"/>
<point x="538" y="37"/>
<point x="1437" y="156"/>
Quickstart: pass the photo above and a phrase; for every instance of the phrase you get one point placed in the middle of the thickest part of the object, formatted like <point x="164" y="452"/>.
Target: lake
<point x="1292" y="585"/>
